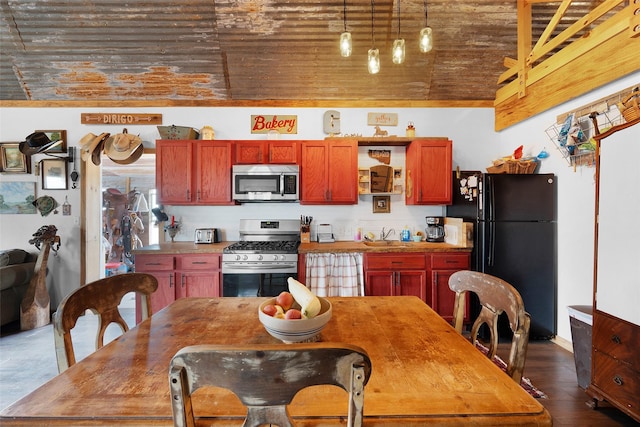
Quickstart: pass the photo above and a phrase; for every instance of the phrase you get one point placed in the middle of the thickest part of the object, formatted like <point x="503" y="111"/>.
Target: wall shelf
<point x="368" y="178"/>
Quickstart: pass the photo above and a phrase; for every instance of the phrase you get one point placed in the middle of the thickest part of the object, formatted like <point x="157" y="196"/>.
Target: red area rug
<point x="525" y="383"/>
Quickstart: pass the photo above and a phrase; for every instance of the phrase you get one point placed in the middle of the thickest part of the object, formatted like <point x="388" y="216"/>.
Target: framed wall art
<point x="17" y="197"/>
<point x="381" y="204"/>
<point x="54" y="174"/>
<point x="55" y="135"/>
<point x="12" y="160"/>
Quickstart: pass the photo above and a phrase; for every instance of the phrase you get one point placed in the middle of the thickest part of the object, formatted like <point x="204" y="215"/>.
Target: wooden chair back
<point x="101" y="297"/>
<point x="496" y="296"/>
<point x="267" y="377"/>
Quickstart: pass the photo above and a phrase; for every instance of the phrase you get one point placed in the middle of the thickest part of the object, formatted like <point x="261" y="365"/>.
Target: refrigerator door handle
<point x="492" y="199"/>
<point x="492" y="243"/>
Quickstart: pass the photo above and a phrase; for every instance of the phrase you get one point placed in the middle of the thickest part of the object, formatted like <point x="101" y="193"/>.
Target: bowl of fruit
<point x="295" y="316"/>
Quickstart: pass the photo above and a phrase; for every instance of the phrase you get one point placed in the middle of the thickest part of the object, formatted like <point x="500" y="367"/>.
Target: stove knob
<point x="275" y="257"/>
<point x="282" y="257"/>
<point x="259" y="257"/>
<point x="245" y="257"/>
<point x="237" y="257"/>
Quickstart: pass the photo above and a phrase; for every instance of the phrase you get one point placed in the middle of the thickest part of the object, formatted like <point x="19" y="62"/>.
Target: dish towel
<point x="335" y="274"/>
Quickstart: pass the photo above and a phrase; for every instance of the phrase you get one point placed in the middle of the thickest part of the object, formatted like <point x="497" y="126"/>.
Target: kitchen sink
<point x="387" y="243"/>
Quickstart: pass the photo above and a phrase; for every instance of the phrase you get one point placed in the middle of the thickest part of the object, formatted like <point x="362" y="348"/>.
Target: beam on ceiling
<point x="603" y="50"/>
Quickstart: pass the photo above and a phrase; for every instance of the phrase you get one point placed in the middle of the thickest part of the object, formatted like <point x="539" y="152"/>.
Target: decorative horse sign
<point x="380" y="132"/>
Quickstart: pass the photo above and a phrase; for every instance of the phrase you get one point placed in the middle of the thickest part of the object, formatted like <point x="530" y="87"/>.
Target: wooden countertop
<point x="304" y="248"/>
<point x="396" y="246"/>
<point x="169" y="248"/>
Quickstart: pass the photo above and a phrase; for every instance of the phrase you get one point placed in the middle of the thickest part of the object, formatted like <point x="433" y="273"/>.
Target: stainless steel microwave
<point x="266" y="183"/>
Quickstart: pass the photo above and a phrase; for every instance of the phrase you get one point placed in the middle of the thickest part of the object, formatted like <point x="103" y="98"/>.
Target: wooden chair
<point x="496" y="296"/>
<point x="267" y="377"/>
<point x="102" y="297"/>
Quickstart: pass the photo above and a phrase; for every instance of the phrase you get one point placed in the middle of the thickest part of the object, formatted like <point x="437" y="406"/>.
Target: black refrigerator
<point x="514" y="219"/>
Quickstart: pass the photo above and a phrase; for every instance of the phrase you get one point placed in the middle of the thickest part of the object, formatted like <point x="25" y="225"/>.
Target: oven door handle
<point x="282" y="268"/>
<point x="263" y="267"/>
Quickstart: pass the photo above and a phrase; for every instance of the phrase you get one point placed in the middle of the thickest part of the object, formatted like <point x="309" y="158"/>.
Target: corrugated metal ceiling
<point x="199" y="50"/>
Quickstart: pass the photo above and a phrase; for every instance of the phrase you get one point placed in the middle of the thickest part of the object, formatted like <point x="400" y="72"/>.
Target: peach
<point x="293" y="313"/>
<point x="270" y="310"/>
<point x="284" y="300"/>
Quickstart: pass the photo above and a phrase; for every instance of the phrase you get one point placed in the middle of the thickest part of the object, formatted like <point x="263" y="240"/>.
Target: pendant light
<point x="345" y="37"/>
<point x="426" y="35"/>
<point x="397" y="51"/>
<point x="373" y="56"/>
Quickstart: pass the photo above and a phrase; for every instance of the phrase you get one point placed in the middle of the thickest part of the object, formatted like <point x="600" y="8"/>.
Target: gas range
<point x="264" y="246"/>
<point x="259" y="252"/>
<point x="253" y="247"/>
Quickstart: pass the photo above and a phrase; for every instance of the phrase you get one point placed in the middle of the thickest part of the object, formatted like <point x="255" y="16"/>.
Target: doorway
<point x="117" y="214"/>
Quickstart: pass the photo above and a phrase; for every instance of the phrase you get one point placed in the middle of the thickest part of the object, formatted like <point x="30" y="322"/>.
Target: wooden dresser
<point x="615" y="361"/>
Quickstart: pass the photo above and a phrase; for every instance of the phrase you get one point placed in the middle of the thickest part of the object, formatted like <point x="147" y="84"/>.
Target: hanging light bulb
<point x="373" y="57"/>
<point x="426" y="35"/>
<point x="426" y="40"/>
<point x="397" y="51"/>
<point x="373" y="62"/>
<point x="345" y="44"/>
<point x="345" y="37"/>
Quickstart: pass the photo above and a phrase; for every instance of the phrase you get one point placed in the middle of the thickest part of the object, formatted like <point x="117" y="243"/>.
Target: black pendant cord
<point x="345" y="15"/>
<point x="426" y="16"/>
<point x="399" y="18"/>
<point x="373" y="9"/>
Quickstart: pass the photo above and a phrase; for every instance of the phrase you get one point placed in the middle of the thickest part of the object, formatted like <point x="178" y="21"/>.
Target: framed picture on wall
<point x="12" y="160"/>
<point x="57" y="135"/>
<point x="54" y="174"/>
<point x="17" y="197"/>
<point x="381" y="204"/>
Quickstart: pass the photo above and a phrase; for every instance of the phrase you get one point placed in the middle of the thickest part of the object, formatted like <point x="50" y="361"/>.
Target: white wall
<point x="475" y="145"/>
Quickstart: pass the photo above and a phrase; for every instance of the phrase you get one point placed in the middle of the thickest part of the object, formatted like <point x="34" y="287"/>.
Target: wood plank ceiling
<point x="249" y="50"/>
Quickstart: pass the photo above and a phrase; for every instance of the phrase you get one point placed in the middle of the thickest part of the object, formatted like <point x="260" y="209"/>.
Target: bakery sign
<point x="280" y="124"/>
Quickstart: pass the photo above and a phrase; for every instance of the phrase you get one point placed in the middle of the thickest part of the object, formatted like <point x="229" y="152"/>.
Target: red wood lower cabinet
<point x="442" y="266"/>
<point x="179" y="276"/>
<point x="425" y="275"/>
<point x="388" y="274"/>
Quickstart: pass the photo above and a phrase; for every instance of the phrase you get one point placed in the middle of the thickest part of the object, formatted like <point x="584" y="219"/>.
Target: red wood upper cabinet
<point x="173" y="178"/>
<point x="429" y="165"/>
<point x="193" y="172"/>
<point x="329" y="172"/>
<point x="213" y="172"/>
<point x="257" y="152"/>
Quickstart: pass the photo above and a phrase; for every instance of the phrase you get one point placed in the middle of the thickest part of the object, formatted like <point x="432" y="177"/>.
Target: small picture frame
<point x="55" y="135"/>
<point x="54" y="174"/>
<point x="12" y="160"/>
<point x="381" y="204"/>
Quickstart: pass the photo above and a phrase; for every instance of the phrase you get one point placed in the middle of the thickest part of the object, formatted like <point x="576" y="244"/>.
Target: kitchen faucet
<point x="384" y="235"/>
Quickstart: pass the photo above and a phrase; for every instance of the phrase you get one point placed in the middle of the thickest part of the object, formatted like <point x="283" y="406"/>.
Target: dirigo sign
<point x="281" y="124"/>
<point x="120" y="119"/>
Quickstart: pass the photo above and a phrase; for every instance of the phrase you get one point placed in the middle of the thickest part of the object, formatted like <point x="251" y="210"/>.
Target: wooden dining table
<point x="423" y="371"/>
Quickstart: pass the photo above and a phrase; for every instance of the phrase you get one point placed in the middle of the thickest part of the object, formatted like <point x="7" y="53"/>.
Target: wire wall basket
<point x="574" y="138"/>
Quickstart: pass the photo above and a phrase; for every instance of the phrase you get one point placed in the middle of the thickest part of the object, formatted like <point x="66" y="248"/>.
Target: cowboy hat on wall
<point x="38" y="142"/>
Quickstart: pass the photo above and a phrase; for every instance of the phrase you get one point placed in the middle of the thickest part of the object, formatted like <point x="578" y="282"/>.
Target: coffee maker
<point x="435" y="229"/>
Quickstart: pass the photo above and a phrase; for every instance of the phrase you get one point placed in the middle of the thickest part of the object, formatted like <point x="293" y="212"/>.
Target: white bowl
<point x="295" y="330"/>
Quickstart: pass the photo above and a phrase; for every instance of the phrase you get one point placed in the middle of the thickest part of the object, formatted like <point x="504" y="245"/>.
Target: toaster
<point x="207" y="235"/>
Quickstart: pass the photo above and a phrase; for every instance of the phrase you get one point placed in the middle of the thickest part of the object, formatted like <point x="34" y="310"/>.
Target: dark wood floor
<point x="552" y="370"/>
